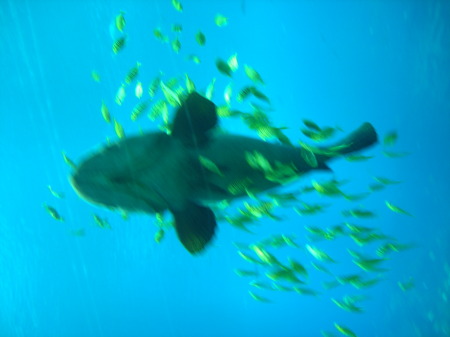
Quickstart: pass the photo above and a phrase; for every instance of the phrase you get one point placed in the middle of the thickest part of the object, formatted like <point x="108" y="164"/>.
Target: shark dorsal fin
<point x="194" y="118"/>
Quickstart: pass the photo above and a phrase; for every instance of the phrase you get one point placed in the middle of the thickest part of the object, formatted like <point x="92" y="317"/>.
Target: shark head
<point x="117" y="176"/>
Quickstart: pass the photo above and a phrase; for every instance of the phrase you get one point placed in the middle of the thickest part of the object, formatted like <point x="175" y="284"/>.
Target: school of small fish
<point x="264" y="262"/>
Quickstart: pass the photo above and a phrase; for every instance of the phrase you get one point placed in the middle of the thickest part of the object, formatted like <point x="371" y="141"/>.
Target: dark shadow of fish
<point x="155" y="171"/>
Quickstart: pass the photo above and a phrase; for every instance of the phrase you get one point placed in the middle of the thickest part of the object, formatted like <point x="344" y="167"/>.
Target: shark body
<point x="155" y="172"/>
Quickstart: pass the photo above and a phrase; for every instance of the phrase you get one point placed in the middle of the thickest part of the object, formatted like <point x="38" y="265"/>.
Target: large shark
<point x="155" y="172"/>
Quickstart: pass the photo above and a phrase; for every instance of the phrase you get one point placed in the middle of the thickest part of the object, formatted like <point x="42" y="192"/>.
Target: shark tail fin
<point x="195" y="226"/>
<point x="358" y="140"/>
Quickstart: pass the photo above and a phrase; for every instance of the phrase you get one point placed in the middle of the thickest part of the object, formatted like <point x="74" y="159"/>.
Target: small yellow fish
<point x="159" y="235"/>
<point x="358" y="213"/>
<point x="390" y="138"/>
<point x="264" y="255"/>
<point x="390" y="154"/>
<point x="105" y="113"/>
<point x="53" y="213"/>
<point x="407" y="285"/>
<point x="160" y="36"/>
<point x="240" y="272"/>
<point x="190" y="86"/>
<point x="298" y="267"/>
<point x="224" y="68"/>
<point x="177" y="5"/>
<point x="200" y="38"/>
<point x="220" y="20"/>
<point x="176" y="45"/>
<point x="120" y="95"/>
<point x="139" y="109"/>
<point x="319" y="254"/>
<point x="386" y="181"/>
<point x="118" y="128"/>
<point x="58" y="195"/>
<point x="101" y="222"/>
<point x="132" y="73"/>
<point x="210" y="89"/>
<point x="233" y="62"/>
<point x="357" y="158"/>
<point x="194" y="58"/>
<point x="347" y="305"/>
<point x="227" y="93"/>
<point x="78" y="232"/>
<point x="177" y="28"/>
<point x="69" y="161"/>
<point x="249" y="258"/>
<point x="154" y="86"/>
<point x="210" y="165"/>
<point x="283" y="274"/>
<point x="95" y="76"/>
<point x="260" y="285"/>
<point x="397" y="209"/>
<point x="253" y="74"/>
<point x="344" y="330"/>
<point x="306" y="291"/>
<point x="119" y="44"/>
<point x="170" y="95"/>
<point x="158" y="109"/>
<point x="120" y="21"/>
<point x="138" y="90"/>
<point x="311" y="125"/>
<point x="309" y="157"/>
<point x="258" y="297"/>
<point x="370" y="265"/>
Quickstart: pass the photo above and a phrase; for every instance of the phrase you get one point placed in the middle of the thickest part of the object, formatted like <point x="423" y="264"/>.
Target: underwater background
<point x="337" y="63"/>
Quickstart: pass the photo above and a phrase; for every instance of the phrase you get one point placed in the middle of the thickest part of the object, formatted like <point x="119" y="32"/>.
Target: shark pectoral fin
<point x="194" y="118"/>
<point x="195" y="226"/>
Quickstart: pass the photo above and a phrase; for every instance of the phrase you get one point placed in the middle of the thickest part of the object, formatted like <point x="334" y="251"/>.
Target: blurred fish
<point x="176" y="45"/>
<point x="69" y="161"/>
<point x="233" y="62"/>
<point x="194" y="58"/>
<point x="58" y="195"/>
<point x="386" y="181"/>
<point x="160" y="36"/>
<point x="95" y="76"/>
<point x="139" y="109"/>
<point x="120" y="95"/>
<point x="118" y="128"/>
<point x="390" y="154"/>
<point x="390" y="138"/>
<point x="319" y="254"/>
<point x="53" y="212"/>
<point x="259" y="298"/>
<point x="159" y="235"/>
<point x="105" y="113"/>
<point x="224" y="68"/>
<point x="407" y="285"/>
<point x="138" y="90"/>
<point x="246" y="273"/>
<point x="344" y="330"/>
<point x="200" y="38"/>
<point x="177" y="28"/>
<point x="253" y="74"/>
<point x="177" y="5"/>
<point x="101" y="222"/>
<point x="119" y="44"/>
<point x="220" y="20"/>
<point x="397" y="209"/>
<point x="120" y="21"/>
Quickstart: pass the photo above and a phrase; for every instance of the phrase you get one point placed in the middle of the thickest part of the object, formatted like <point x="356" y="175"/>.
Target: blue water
<point x="337" y="63"/>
